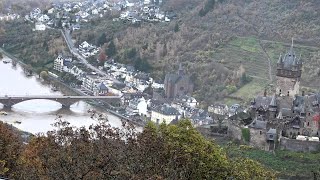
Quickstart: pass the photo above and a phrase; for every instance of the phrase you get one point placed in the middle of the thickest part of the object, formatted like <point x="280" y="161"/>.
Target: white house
<point x="220" y="109"/>
<point x="58" y="64"/>
<point x="164" y="113"/>
<point x="43" y="18"/>
<point x="89" y="82"/>
<point x="95" y="11"/>
<point x="138" y="106"/>
<point x="146" y="2"/>
<point x="75" y="27"/>
<point x="40" y="27"/>
<point x="51" y="10"/>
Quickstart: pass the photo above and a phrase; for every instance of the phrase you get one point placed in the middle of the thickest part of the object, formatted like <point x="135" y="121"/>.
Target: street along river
<point x="37" y="116"/>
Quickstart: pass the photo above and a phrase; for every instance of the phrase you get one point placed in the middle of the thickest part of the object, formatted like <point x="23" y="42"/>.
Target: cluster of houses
<point x="39" y="18"/>
<point x="71" y="14"/>
<point x="131" y="85"/>
<point x="146" y="11"/>
<point x="87" y="50"/>
<point x="9" y="17"/>
<point x="67" y="14"/>
<point x="65" y="64"/>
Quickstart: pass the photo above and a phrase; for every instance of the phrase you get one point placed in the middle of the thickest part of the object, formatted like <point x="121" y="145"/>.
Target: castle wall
<point x="287" y="85"/>
<point x="258" y="138"/>
<point x="234" y="131"/>
<point x="299" y="145"/>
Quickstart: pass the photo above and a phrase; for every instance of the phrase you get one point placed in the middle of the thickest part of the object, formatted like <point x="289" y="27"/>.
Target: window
<point x="271" y="136"/>
<point x="260" y="132"/>
<point x="308" y="124"/>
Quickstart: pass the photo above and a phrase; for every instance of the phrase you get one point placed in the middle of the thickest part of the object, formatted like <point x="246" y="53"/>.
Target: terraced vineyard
<point x="254" y="55"/>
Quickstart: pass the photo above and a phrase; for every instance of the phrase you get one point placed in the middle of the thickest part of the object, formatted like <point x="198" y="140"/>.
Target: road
<point x="74" y="51"/>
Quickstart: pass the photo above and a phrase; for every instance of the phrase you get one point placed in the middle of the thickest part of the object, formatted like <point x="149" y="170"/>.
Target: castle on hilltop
<point x="285" y="115"/>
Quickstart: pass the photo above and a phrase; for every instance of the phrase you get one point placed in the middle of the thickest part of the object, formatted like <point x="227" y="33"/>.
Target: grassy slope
<point x="248" y="51"/>
<point x="288" y="164"/>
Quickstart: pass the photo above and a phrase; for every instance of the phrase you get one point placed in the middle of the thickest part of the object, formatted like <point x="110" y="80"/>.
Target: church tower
<point x="288" y="74"/>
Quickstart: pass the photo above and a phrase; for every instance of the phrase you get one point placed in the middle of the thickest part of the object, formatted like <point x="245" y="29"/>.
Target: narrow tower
<point x="288" y="74"/>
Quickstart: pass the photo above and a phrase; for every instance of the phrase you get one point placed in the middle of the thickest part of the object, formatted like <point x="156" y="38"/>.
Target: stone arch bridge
<point x="65" y="101"/>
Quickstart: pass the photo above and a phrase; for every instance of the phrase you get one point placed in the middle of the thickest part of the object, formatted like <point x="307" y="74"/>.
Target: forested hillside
<point x="213" y="38"/>
<point x="229" y="47"/>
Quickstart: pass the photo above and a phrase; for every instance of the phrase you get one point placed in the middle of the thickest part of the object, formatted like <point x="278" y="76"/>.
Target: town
<point x="286" y="115"/>
<point x="142" y="97"/>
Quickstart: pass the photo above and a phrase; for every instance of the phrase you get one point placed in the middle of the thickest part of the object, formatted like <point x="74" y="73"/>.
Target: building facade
<point x="58" y="64"/>
<point x="178" y="84"/>
<point x="289" y="69"/>
<point x="164" y="113"/>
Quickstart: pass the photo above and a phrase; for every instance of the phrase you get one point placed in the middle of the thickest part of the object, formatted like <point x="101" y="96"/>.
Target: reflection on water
<point x="39" y="115"/>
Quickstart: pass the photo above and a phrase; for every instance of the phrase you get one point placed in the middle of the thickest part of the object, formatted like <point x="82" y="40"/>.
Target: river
<point x="37" y="116"/>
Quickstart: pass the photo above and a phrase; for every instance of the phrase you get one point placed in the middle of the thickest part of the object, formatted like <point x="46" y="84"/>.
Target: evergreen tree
<point x="176" y="27"/>
<point x="111" y="50"/>
<point x="102" y="39"/>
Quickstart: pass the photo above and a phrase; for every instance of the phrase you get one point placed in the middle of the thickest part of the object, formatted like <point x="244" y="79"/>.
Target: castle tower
<point x="288" y="74"/>
<point x="273" y="107"/>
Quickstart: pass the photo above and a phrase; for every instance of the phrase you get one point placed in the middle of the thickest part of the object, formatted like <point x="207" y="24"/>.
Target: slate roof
<point x="272" y="131"/>
<point x="200" y="114"/>
<point x="102" y="86"/>
<point x="240" y="116"/>
<point x="286" y="112"/>
<point x="258" y="124"/>
<point x="289" y="59"/>
<point x="273" y="102"/>
<point x="166" y="110"/>
<point x="262" y="101"/>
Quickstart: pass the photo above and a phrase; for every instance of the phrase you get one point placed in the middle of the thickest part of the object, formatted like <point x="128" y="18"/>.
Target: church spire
<point x="291" y="52"/>
<point x="273" y="102"/>
<point x="180" y="71"/>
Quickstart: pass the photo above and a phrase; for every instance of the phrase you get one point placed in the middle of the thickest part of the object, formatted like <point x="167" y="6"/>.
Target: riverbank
<point x="66" y="89"/>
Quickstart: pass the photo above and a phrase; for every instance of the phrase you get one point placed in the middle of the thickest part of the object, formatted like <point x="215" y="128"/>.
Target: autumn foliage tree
<point x="10" y="147"/>
<point x="102" y="57"/>
<point x="104" y="152"/>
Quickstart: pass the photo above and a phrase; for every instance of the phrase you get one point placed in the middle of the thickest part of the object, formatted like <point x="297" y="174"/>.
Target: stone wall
<point x="298" y="145"/>
<point x="257" y="136"/>
<point x="234" y="131"/>
<point x="258" y="139"/>
<point x="287" y="85"/>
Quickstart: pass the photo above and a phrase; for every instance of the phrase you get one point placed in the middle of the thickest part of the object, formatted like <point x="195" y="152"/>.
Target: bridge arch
<point x="65" y="103"/>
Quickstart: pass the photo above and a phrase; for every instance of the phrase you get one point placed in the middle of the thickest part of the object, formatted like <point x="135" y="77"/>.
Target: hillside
<point x="214" y="40"/>
<point x="234" y="32"/>
<point x="35" y="48"/>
